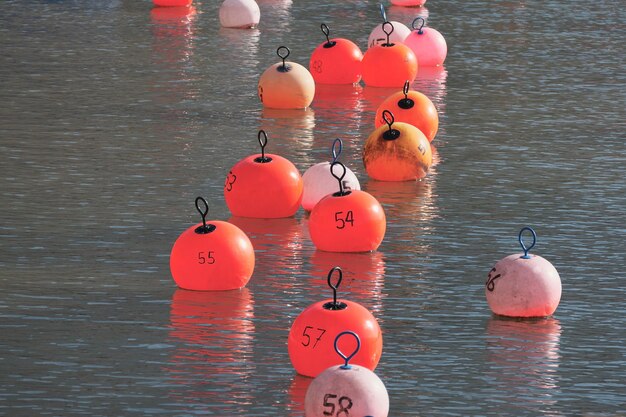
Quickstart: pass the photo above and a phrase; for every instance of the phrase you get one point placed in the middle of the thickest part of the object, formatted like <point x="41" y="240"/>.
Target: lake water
<point x="114" y="118"/>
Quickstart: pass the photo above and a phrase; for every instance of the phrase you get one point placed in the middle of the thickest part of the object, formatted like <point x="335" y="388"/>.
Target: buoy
<point x="378" y="36"/>
<point x="312" y="334"/>
<point x="174" y="16"/>
<point x="346" y="390"/>
<point x="397" y="152"/>
<point x="389" y="64"/>
<point x="411" y="107"/>
<point x="523" y="285"/>
<point x="263" y="185"/>
<point x="214" y="256"/>
<point x="171" y="3"/>
<point x="428" y="44"/>
<point x="286" y="85"/>
<point x="336" y="61"/>
<point x="319" y="181"/>
<point x="243" y="14"/>
<point x="408" y="3"/>
<point x="347" y="221"/>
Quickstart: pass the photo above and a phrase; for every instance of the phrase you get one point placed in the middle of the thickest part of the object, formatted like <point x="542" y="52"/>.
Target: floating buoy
<point x="397" y="152"/>
<point x="428" y="44"/>
<point x="312" y="334"/>
<point x="336" y="61"/>
<point x="378" y="36"/>
<point x="171" y="3"/>
<point x="214" y="256"/>
<point x="389" y="64"/>
<point x="523" y="285"/>
<point x="411" y="107"/>
<point x="347" y="221"/>
<point x="408" y="3"/>
<point x="348" y="389"/>
<point x="263" y="185"/>
<point x="244" y="14"/>
<point x="319" y="181"/>
<point x="286" y="85"/>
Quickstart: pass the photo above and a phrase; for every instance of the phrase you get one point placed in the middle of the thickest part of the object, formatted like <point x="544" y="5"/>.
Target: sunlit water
<point x="114" y="117"/>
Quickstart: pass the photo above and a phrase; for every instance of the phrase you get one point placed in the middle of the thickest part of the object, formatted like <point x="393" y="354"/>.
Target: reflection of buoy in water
<point x="172" y="15"/>
<point x="286" y="85"/>
<point x="347" y="221"/>
<point x="239" y="14"/>
<point x="378" y="36"/>
<point x="319" y="181"/>
<point x="171" y="3"/>
<point x="389" y="64"/>
<point x="336" y="61"/>
<point x="312" y="334"/>
<point x="351" y="389"/>
<point x="263" y="185"/>
<point x="214" y="256"/>
<point x="411" y="107"/>
<point x="297" y="392"/>
<point x="397" y="152"/>
<point x="428" y="44"/>
<point x="408" y="3"/>
<point x="523" y="285"/>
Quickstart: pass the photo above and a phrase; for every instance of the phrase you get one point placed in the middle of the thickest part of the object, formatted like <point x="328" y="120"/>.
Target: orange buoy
<point x="378" y="37"/>
<point x="389" y="64"/>
<point x="263" y="185"/>
<point x="171" y="3"/>
<point x="347" y="221"/>
<point x="286" y="85"/>
<point x="214" y="256"/>
<point x="240" y="14"/>
<point x="411" y="107"/>
<point x="352" y="389"/>
<point x="398" y="153"/>
<point x="523" y="285"/>
<point x="336" y="61"/>
<point x="428" y="44"/>
<point x="312" y="334"/>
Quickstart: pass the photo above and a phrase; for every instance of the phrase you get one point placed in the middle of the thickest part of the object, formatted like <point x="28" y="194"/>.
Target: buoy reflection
<point x="297" y="392"/>
<point x="290" y="132"/>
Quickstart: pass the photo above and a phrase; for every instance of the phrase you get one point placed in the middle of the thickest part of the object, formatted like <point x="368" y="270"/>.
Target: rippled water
<point x="114" y="117"/>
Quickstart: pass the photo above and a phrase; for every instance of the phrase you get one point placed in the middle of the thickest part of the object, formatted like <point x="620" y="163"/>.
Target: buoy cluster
<point x="216" y="255"/>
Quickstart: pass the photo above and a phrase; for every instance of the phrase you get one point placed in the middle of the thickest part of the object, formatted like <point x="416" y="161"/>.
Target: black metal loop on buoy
<point x="406" y="103"/>
<point x="205" y="228"/>
<point x="391" y="134"/>
<point x="388" y="33"/>
<point x="263" y="142"/>
<point x="383" y="13"/>
<point x="521" y="242"/>
<point x="419" y="30"/>
<point x="336" y="149"/>
<point x="340" y="353"/>
<point x="285" y="67"/>
<point x="339" y="178"/>
<point x="326" y="32"/>
<point x="334" y="305"/>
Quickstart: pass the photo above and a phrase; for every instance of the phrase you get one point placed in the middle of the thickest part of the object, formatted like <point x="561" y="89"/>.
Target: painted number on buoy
<point x="317" y="66"/>
<point x="206" y="258"/>
<point x="341" y="220"/>
<point x="491" y="284"/>
<point x="261" y="93"/>
<point x="342" y="406"/>
<point x="308" y="336"/>
<point x="421" y="149"/>
<point x="230" y="180"/>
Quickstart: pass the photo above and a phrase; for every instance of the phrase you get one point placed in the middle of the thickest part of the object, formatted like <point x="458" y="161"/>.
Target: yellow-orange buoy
<point x="411" y="107"/>
<point x="389" y="64"/>
<point x="286" y="85"/>
<point x="397" y="153"/>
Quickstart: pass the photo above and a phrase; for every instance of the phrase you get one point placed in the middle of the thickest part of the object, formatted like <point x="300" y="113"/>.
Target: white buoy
<point x="378" y="35"/>
<point x="241" y="14"/>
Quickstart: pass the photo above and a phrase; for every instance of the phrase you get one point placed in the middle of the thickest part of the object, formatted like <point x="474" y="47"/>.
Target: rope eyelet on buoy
<point x="211" y="257"/>
<point x="311" y="337"/>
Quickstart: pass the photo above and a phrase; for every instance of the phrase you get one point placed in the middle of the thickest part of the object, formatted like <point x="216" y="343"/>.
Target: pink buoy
<point x="346" y="390"/>
<point x="523" y="285"/>
<point x="244" y="14"/>
<point x="428" y="44"/>
<point x="336" y="61"/>
<point x="378" y="37"/>
<point x="319" y="181"/>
